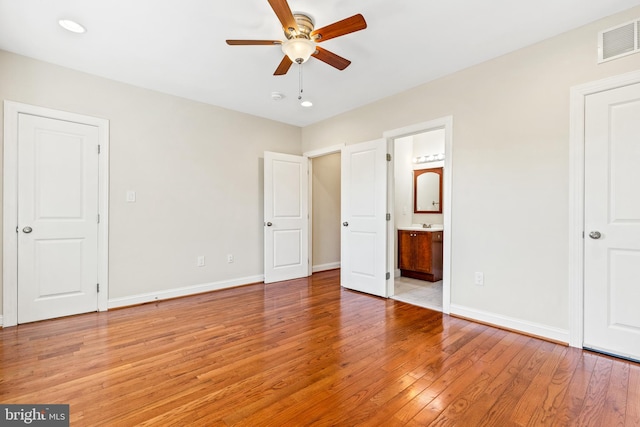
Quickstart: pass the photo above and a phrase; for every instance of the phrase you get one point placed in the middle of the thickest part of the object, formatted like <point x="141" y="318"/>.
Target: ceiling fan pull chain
<point x="299" y="82"/>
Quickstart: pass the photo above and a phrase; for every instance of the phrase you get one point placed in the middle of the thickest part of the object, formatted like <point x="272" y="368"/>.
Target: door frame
<point x="445" y="123"/>
<point x="310" y="155"/>
<point x="12" y="110"/>
<point x="578" y="96"/>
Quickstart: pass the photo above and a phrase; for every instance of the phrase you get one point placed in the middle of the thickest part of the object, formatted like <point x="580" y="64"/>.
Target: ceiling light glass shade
<point x="306" y="104"/>
<point x="72" y="26"/>
<point x="298" y="50"/>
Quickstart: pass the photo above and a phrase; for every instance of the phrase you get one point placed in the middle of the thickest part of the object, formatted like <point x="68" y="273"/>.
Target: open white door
<point x="286" y="219"/>
<point x="612" y="222"/>
<point x="364" y="216"/>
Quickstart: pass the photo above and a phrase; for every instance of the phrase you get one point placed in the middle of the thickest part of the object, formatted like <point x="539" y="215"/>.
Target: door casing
<point x="10" y="203"/>
<point x="576" y="196"/>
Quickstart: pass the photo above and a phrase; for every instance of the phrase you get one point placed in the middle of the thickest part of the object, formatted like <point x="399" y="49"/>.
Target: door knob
<point x="595" y="235"/>
<point x="346" y="224"/>
<point x="27" y="230"/>
<point x="269" y="224"/>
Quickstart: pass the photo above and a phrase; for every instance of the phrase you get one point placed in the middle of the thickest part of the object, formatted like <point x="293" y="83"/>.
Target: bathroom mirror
<point x="427" y="190"/>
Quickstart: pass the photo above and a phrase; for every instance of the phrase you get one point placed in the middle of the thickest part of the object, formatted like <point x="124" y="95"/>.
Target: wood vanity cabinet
<point x="420" y="254"/>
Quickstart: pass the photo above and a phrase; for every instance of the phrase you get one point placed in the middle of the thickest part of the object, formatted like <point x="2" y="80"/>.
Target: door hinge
<point x="388" y="276"/>
<point x="388" y="157"/>
<point x="388" y="217"/>
<point x="17" y="230"/>
<point x="98" y="287"/>
<point x="98" y="218"/>
<point x="98" y="148"/>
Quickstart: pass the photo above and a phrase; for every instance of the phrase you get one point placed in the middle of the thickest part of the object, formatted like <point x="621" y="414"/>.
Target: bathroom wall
<point x="424" y="144"/>
<point x="403" y="173"/>
<point x="405" y="150"/>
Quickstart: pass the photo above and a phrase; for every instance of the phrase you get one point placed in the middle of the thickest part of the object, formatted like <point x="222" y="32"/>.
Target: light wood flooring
<point x="306" y="352"/>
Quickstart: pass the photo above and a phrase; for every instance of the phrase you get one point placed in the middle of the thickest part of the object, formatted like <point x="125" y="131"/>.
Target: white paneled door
<point x="612" y="222"/>
<point x="286" y="219"/>
<point x="364" y="211"/>
<point x="57" y="218"/>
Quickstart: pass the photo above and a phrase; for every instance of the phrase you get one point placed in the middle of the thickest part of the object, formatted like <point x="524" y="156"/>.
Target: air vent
<point x="619" y="41"/>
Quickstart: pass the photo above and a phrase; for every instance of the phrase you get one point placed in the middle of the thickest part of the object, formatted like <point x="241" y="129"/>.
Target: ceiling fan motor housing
<point x="305" y="27"/>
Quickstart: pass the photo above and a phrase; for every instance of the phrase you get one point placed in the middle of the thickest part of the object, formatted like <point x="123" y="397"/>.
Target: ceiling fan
<point x="302" y="37"/>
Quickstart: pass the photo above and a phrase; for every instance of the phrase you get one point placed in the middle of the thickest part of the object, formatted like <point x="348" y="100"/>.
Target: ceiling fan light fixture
<point x="299" y="50"/>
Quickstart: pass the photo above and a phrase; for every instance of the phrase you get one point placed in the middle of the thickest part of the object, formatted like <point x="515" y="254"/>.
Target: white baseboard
<point x="182" y="292"/>
<point x="1" y="321"/>
<point x="543" y="331"/>
<point x="324" y="267"/>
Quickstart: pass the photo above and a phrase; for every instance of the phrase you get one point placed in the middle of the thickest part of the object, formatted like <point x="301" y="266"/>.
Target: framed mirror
<point x="427" y="190"/>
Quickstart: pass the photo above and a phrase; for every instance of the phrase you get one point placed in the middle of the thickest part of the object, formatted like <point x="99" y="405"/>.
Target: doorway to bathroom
<point x="443" y="125"/>
<point x="421" y="208"/>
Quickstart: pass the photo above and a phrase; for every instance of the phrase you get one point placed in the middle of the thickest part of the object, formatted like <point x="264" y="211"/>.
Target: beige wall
<point x="510" y="167"/>
<point x="326" y="211"/>
<point x="197" y="171"/>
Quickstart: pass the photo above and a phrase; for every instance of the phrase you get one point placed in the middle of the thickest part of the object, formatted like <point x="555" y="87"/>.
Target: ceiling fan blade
<point x="340" y="28"/>
<point x="284" y="14"/>
<point x="331" y="58"/>
<point x="252" y="42"/>
<point x="284" y="66"/>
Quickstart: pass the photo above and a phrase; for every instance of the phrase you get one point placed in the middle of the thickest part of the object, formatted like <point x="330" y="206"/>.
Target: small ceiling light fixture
<point x="277" y="96"/>
<point x="306" y="104"/>
<point x="72" y="26"/>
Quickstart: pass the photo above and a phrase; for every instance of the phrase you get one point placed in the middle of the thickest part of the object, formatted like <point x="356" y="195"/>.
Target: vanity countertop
<point x="434" y="227"/>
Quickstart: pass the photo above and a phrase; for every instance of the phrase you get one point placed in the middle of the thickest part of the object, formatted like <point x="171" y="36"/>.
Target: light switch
<point x="131" y="196"/>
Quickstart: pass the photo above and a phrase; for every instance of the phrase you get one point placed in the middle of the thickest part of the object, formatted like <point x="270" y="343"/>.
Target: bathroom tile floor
<point x="419" y="292"/>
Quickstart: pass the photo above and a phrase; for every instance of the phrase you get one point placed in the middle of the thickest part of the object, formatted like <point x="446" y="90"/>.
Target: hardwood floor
<point x="306" y="352"/>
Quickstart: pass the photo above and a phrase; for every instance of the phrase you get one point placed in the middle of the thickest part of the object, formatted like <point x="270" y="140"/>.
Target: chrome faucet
<point x="426" y="225"/>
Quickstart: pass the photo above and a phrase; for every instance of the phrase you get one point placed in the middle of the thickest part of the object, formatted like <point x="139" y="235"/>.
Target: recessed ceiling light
<point x="306" y="104"/>
<point x="277" y="96"/>
<point x="72" y="26"/>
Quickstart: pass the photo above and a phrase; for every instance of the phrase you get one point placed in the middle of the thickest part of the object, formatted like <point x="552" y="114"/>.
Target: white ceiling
<point x="178" y="47"/>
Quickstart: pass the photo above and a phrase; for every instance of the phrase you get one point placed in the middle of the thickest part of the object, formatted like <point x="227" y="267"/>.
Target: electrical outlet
<point x="131" y="196"/>
<point x="479" y="278"/>
<point x="230" y="258"/>
<point x="200" y="261"/>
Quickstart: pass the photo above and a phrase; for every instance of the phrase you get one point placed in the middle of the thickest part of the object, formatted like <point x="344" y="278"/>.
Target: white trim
<point x="10" y="203"/>
<point x="324" y="151"/>
<point x="310" y="216"/>
<point x="184" y="291"/>
<point x="576" y="196"/>
<point x="537" y="329"/>
<point x="447" y="124"/>
<point x="325" y="267"/>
